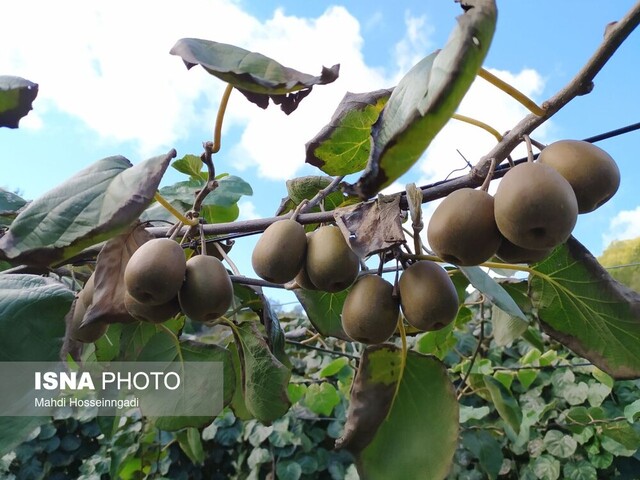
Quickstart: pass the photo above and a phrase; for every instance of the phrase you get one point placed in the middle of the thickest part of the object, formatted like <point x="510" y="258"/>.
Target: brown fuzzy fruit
<point x="592" y="173"/>
<point x="535" y="207"/>
<point x="280" y="251"/>
<point x="370" y="312"/>
<point x="207" y="292"/>
<point x="331" y="264"/>
<point x="428" y="297"/>
<point x="151" y="313"/>
<point x="155" y="271"/>
<point x="463" y="229"/>
<point x="510" y="253"/>
<point x="88" y="333"/>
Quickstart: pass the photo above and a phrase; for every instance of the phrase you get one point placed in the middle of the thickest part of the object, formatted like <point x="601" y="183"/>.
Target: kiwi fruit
<point x="87" y="333"/>
<point x="207" y="292"/>
<point x="428" y="297"/>
<point x="591" y="172"/>
<point x="155" y="271"/>
<point x="280" y="251"/>
<point x="331" y="264"/>
<point x="151" y="313"/>
<point x="463" y="229"/>
<point x="370" y="312"/>
<point x="535" y="207"/>
<point x="510" y="253"/>
<point x="302" y="279"/>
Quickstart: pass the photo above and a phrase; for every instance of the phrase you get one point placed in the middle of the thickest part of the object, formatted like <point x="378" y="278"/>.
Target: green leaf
<point x="296" y="391"/>
<point x="218" y="214"/>
<point x="258" y="77"/>
<point x="305" y="188"/>
<point x="344" y="145"/>
<point x="191" y="444"/>
<point x="190" y="165"/>
<point x="558" y="444"/>
<point x="632" y="411"/>
<point x="623" y="433"/>
<point x="546" y="467"/>
<point x="16" y="96"/>
<point x="14" y="430"/>
<point x="506" y="405"/>
<point x="527" y="376"/>
<point x="405" y="430"/>
<point x="493" y="291"/>
<point x="288" y="470"/>
<point x="473" y="413"/>
<point x="265" y="377"/>
<point x="506" y="328"/>
<point x="32" y="311"/>
<point x="10" y="204"/>
<point x="581" y="470"/>
<point x="486" y="449"/>
<point x="426" y="98"/>
<point x="580" y="305"/>
<point x="321" y="398"/>
<point x="438" y="342"/>
<point x="324" y="310"/>
<point x="334" y="367"/>
<point x="96" y="204"/>
<point x="166" y="348"/>
<point x="238" y="405"/>
<point x="229" y="190"/>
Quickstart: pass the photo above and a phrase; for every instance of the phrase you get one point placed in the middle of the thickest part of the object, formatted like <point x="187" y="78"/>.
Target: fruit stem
<point x="512" y="91"/>
<point x="217" y="131"/>
<point x="487" y="180"/>
<point x="527" y="141"/>
<point x="162" y="201"/>
<point x="506" y="266"/>
<point x="227" y="259"/>
<point x="480" y="124"/>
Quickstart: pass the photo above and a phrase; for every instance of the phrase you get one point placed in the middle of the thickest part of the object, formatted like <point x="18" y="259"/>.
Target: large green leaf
<point x="493" y="291"/>
<point x="256" y="76"/>
<point x="10" y="204"/>
<point x="506" y="405"/>
<point x="164" y="347"/>
<point x="229" y="190"/>
<point x="324" y="310"/>
<point x="344" y="145"/>
<point x="32" y="311"/>
<point x="401" y="431"/>
<point x="16" y="97"/>
<point x="426" y="98"/>
<point x="97" y="203"/>
<point x="265" y="378"/>
<point x="582" y="306"/>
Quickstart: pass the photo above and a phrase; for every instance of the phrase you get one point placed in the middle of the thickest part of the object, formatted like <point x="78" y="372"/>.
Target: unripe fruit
<point x="331" y="264"/>
<point x="302" y="278"/>
<point x="428" y="297"/>
<point x="207" y="292"/>
<point x="370" y="312"/>
<point x="280" y="251"/>
<point x="155" y="271"/>
<point x="88" y="333"/>
<point x="592" y="173"/>
<point x="535" y="207"/>
<point x="151" y="313"/>
<point x="510" y="253"/>
<point x="463" y="229"/>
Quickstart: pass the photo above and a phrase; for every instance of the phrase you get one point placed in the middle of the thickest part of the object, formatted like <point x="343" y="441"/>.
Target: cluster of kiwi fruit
<point x="159" y="284"/>
<point x="534" y="210"/>
<point x="322" y="260"/>
<point x="425" y="294"/>
<point x="318" y="260"/>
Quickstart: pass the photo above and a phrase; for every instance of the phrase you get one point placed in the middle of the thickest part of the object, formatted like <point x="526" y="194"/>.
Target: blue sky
<point x="108" y="86"/>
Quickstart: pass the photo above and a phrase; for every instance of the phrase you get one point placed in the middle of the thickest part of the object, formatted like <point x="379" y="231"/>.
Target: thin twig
<point x="322" y="194"/>
<point x="324" y="350"/>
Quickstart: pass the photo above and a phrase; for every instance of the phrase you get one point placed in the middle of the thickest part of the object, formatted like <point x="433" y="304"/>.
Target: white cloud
<point x="248" y="210"/>
<point x="490" y="105"/>
<point x="414" y="45"/>
<point x="108" y="65"/>
<point x="624" y="226"/>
